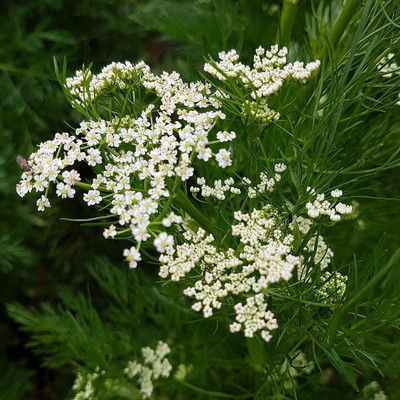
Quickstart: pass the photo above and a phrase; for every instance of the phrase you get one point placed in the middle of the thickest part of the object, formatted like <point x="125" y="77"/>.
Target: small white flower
<point x="93" y="157"/>
<point x="336" y="193"/>
<point x="65" y="191"/>
<point x="184" y="172"/>
<point x="280" y="167"/>
<point x="110" y="232"/>
<point x="223" y="158"/>
<point x="42" y="203"/>
<point x="140" y="233"/>
<point x="226" y="136"/>
<point x="204" y="153"/>
<point x="163" y="241"/>
<point x="70" y="177"/>
<point x="92" y="197"/>
<point x="170" y="219"/>
<point x="132" y="255"/>
<point x="235" y="327"/>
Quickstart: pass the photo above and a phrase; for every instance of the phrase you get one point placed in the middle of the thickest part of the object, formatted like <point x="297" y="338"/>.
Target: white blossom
<point x="336" y="193"/>
<point x="163" y="241"/>
<point x="172" y="218"/>
<point x="65" y="190"/>
<point x="132" y="255"/>
<point x="253" y="316"/>
<point x="223" y="158"/>
<point x="43" y="203"/>
<point x="218" y="191"/>
<point x="268" y="74"/>
<point x="110" y="232"/>
<point x="92" y="197"/>
<point x="226" y="136"/>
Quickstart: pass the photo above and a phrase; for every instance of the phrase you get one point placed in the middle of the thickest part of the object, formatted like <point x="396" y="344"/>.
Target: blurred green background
<point x="39" y="254"/>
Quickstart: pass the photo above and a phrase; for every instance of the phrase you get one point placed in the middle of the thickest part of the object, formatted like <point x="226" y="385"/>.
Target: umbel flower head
<point x="141" y="153"/>
<point x="147" y="146"/>
<point x="137" y="157"/>
<point x="266" y="258"/>
<point x="269" y="73"/>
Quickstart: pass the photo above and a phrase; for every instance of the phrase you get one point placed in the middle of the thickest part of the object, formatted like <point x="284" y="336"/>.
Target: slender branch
<point x="341" y="24"/>
<point x="253" y="133"/>
<point x="349" y="10"/>
<point x="288" y="16"/>
<point x="183" y="201"/>
<point x="213" y="394"/>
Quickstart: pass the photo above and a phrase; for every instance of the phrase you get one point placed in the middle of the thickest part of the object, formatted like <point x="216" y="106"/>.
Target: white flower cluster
<point x="388" y="66"/>
<point x="333" y="288"/>
<point x="254" y="317"/>
<point x="44" y="167"/>
<point x="137" y="156"/>
<point x="269" y="73"/>
<point x="84" y="384"/>
<point x="218" y="191"/>
<point x="316" y="245"/>
<point x="154" y="366"/>
<point x="373" y="391"/>
<point x="267" y="184"/>
<point x="264" y="257"/>
<point x="321" y="206"/>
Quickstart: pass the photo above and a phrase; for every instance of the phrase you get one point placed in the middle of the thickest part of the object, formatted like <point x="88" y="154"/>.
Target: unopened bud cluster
<point x="260" y="111"/>
<point x="265" y="78"/>
<point x="333" y="288"/>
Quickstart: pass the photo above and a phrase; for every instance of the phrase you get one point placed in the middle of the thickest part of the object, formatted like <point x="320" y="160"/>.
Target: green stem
<point x="87" y="186"/>
<point x="311" y="303"/>
<point x="183" y="201"/>
<point x="256" y="353"/>
<point x="349" y="10"/>
<point x="288" y="16"/>
<point x="211" y="394"/>
<point x="253" y="133"/>
<point x="173" y="189"/>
